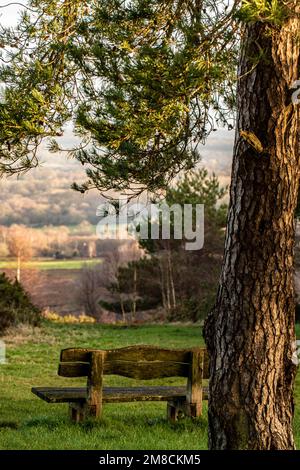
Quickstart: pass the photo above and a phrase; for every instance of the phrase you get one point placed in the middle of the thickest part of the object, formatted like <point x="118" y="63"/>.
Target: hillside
<point x="44" y="197"/>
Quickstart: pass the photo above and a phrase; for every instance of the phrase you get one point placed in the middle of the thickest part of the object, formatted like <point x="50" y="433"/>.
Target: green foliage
<point x="144" y="82"/>
<point x="162" y="71"/>
<point x="195" y="308"/>
<point x="15" y="305"/>
<point x="273" y="12"/>
<point x="148" y="290"/>
<point x="197" y="187"/>
<point x="183" y="282"/>
<point x="38" y="82"/>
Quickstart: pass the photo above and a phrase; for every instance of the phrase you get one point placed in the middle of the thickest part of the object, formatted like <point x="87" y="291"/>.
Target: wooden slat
<point x="61" y="395"/>
<point x="140" y="371"/>
<point x="130" y="353"/>
<point x="74" y="361"/>
<point x="113" y="394"/>
<point x="125" y="395"/>
<point x="146" y="370"/>
<point x="135" y="353"/>
<point x="74" y="369"/>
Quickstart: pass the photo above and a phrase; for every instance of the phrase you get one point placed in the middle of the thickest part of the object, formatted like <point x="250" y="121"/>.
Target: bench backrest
<point x="137" y="362"/>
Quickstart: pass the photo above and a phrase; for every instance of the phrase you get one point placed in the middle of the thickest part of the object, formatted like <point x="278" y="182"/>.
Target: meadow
<point x="41" y="277"/>
<point x="49" y="264"/>
<point x="32" y="359"/>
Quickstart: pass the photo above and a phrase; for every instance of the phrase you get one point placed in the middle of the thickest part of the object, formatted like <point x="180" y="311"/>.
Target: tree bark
<point x="250" y="332"/>
<point x="134" y="298"/>
<point x="171" y="277"/>
<point x="165" y="284"/>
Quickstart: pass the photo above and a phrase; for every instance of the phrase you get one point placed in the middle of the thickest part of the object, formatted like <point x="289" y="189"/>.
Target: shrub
<point x="15" y="305"/>
<point x="56" y="318"/>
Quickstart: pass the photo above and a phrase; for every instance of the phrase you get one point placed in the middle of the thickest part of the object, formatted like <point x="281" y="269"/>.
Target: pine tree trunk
<point x="134" y="300"/>
<point x="162" y="287"/>
<point x="171" y="277"/>
<point x="165" y="284"/>
<point x="250" y="333"/>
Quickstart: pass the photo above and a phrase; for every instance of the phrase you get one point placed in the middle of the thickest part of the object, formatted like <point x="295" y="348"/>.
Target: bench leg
<point x="94" y="411"/>
<point x="172" y="413"/>
<point x="194" y="410"/>
<point x="174" y="410"/>
<point x="95" y="379"/>
<point x="77" y="412"/>
<point x="194" y="385"/>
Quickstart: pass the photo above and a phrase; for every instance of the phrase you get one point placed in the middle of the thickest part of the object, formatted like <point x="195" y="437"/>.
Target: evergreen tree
<point x="182" y="282"/>
<point x="138" y="78"/>
<point x="142" y="80"/>
<point x="15" y="305"/>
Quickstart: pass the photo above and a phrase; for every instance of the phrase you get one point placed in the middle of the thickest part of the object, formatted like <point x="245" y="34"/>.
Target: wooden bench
<point x="137" y="362"/>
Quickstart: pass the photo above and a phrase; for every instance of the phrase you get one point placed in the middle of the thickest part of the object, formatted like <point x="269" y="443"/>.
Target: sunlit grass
<point x="29" y="423"/>
<point x="32" y="359"/>
<point x="49" y="264"/>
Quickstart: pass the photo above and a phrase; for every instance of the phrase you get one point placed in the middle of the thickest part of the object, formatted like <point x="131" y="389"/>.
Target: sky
<point x="9" y="14"/>
<point x="216" y="154"/>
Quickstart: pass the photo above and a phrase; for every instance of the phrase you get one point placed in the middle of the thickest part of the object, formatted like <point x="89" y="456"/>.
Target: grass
<point x="46" y="265"/>
<point x="32" y="358"/>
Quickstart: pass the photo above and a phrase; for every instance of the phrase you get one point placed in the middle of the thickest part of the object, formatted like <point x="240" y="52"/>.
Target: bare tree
<point x="118" y="255"/>
<point x="20" y="245"/>
<point x="92" y="280"/>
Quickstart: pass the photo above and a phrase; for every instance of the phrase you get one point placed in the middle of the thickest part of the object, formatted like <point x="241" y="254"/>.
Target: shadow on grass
<point x="43" y="421"/>
<point x="183" y="424"/>
<point x="9" y="425"/>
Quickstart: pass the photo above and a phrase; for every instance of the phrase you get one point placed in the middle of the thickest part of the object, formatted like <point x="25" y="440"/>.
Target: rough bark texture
<point x="250" y="333"/>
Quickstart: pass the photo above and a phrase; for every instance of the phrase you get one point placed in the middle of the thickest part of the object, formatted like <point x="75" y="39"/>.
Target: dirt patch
<point x="54" y="289"/>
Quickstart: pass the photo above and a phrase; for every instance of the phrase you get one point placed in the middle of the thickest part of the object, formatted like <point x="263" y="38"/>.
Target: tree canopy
<point x="144" y="82"/>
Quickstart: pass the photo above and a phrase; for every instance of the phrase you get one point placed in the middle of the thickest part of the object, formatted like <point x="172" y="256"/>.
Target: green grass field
<point x="46" y="264"/>
<point x="32" y="358"/>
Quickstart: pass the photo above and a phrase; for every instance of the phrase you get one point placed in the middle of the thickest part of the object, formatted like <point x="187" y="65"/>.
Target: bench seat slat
<point x="112" y="394"/>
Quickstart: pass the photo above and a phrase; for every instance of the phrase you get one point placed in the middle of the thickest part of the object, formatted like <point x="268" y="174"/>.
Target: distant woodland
<point x="43" y="197"/>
